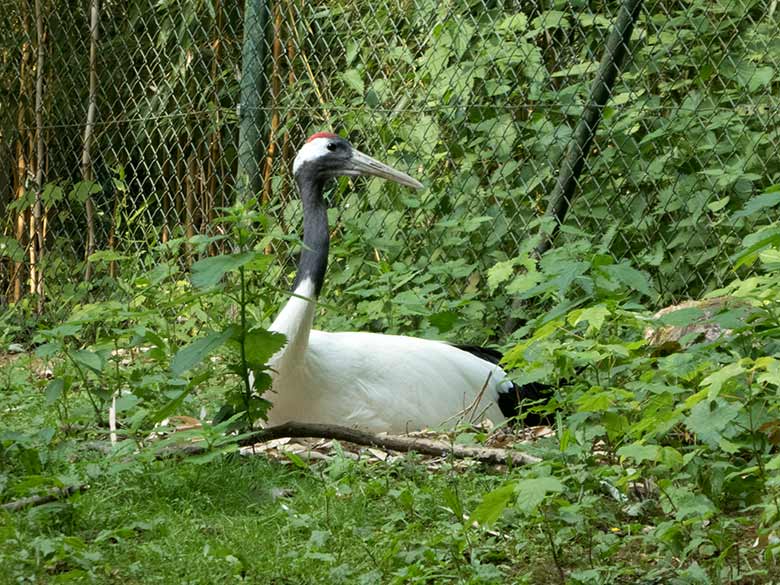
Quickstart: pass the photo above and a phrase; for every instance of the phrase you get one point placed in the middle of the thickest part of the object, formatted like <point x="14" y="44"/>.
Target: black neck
<point x="316" y="239"/>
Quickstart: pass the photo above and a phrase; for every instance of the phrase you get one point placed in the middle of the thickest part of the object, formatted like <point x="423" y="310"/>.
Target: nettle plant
<point x="160" y="337"/>
<point x="672" y="444"/>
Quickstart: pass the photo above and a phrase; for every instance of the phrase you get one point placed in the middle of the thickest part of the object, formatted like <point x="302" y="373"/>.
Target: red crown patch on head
<point x="321" y="135"/>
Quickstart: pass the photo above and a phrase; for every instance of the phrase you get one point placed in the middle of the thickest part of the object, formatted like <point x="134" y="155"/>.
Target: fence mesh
<point x="478" y="98"/>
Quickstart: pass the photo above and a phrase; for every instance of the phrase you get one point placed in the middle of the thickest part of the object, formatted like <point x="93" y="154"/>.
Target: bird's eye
<point x="332" y="146"/>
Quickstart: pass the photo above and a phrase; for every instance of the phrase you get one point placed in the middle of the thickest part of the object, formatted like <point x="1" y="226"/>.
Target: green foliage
<point x="678" y="447"/>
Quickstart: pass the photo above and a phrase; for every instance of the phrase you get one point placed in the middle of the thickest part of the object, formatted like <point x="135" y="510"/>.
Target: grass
<point x="338" y="522"/>
<point x="237" y="519"/>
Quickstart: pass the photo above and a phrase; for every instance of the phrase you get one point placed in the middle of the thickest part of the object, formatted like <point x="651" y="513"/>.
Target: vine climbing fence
<point x="125" y="126"/>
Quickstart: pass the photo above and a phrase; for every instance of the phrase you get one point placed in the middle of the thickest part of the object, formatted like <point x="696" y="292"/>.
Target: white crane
<point x="370" y="381"/>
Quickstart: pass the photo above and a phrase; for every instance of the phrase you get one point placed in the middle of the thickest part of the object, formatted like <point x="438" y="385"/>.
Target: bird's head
<point x="327" y="155"/>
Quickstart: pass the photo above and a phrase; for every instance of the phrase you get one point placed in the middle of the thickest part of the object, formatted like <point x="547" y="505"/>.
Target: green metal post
<point x="251" y="113"/>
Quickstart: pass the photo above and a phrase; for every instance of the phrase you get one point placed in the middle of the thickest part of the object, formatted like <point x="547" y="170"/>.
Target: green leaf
<point x="773" y="464"/>
<point x="682" y="317"/>
<point x="172" y="405"/>
<point x="209" y="271"/>
<point x="194" y="353"/>
<point x="629" y="276"/>
<point x="532" y="492"/>
<point x="758" y="203"/>
<point x="716" y="380"/>
<point x="749" y="255"/>
<point x="493" y="504"/>
<point x="260" y="345"/>
<point x="444" y="320"/>
<point x="639" y="452"/>
<point x="89" y="360"/>
<point x="107" y="256"/>
<point x="296" y="459"/>
<point x="10" y="248"/>
<point x="83" y="189"/>
<point x="710" y="419"/>
<point x="354" y="81"/>
<point x="499" y="272"/>
<point x="594" y="316"/>
<point x="54" y="390"/>
<point x="524" y="282"/>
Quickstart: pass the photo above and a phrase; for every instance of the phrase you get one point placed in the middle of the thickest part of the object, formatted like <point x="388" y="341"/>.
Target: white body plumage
<point x="376" y="382"/>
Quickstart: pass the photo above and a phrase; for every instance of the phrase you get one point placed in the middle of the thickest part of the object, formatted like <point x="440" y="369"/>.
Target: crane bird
<point x="371" y="381"/>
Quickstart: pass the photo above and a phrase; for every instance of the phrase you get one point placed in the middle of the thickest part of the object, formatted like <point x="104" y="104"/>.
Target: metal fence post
<point x="571" y="167"/>
<point x="251" y="114"/>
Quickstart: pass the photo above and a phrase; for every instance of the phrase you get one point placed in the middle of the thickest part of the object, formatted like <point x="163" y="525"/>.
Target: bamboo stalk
<point x="87" y="171"/>
<point x="216" y="139"/>
<point x="166" y="202"/>
<point x="276" y="55"/>
<point x="287" y="154"/>
<point x="17" y="276"/>
<point x="36" y="247"/>
<point x="190" y="182"/>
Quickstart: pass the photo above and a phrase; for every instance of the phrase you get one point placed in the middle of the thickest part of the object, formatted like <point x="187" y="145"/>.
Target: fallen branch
<point x="491" y="455"/>
<point x="53" y="495"/>
<point x="391" y="442"/>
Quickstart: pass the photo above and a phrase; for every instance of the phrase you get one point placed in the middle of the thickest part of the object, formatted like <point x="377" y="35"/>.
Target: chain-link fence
<point x="479" y="99"/>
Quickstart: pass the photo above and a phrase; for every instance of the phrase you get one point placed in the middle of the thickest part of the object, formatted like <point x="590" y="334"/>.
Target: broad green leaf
<point x="682" y="317"/>
<point x="639" y="452"/>
<point x="54" y="390"/>
<point x="260" y="345"/>
<point x="712" y="419"/>
<point x="687" y="504"/>
<point x="716" y="206"/>
<point x="749" y="255"/>
<point x="532" y="492"/>
<point x="500" y="272"/>
<point x="89" y="359"/>
<point x="516" y="22"/>
<point x="172" y="405"/>
<point x="493" y="504"/>
<point x="523" y="283"/>
<point x="593" y="316"/>
<point x="596" y="401"/>
<point x="773" y="464"/>
<point x="296" y="460"/>
<point x="757" y="204"/>
<point x="190" y="355"/>
<point x="10" y="248"/>
<point x="208" y="272"/>
<point x="354" y="81"/>
<point x="107" y="256"/>
<point x="444" y="320"/>
<point x="585" y="68"/>
<point x="629" y="276"/>
<point x="83" y="189"/>
<point x="716" y="380"/>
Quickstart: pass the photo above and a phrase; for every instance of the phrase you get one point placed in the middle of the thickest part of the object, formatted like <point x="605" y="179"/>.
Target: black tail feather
<point x="517" y="400"/>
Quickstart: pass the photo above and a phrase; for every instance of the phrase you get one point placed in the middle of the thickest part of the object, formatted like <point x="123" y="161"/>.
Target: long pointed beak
<point x="362" y="164"/>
